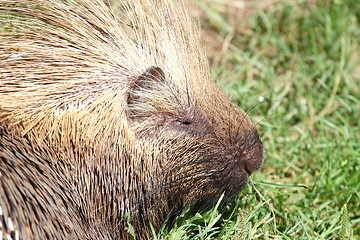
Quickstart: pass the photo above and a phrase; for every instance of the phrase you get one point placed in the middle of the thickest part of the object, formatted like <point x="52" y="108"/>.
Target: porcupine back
<point x="103" y="114"/>
<point x="61" y="51"/>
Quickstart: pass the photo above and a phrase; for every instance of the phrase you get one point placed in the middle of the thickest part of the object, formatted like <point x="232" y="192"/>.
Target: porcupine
<point x="104" y="114"/>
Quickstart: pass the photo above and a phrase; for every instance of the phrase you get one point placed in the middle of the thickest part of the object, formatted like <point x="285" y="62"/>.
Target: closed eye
<point x="183" y="122"/>
<point x="190" y="126"/>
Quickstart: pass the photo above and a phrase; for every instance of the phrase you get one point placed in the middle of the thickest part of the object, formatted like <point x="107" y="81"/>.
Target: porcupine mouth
<point x="210" y="202"/>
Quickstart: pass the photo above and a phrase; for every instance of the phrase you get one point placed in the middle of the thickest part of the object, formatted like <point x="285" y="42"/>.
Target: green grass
<point x="296" y="69"/>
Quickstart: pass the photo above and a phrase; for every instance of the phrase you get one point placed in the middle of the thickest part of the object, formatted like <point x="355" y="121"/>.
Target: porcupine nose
<point x="252" y="153"/>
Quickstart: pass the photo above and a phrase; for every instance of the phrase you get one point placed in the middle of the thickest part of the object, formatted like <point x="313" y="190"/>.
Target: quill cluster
<point x="107" y="111"/>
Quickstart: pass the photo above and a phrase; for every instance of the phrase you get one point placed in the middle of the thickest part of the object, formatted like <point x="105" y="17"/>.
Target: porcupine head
<point x="121" y="100"/>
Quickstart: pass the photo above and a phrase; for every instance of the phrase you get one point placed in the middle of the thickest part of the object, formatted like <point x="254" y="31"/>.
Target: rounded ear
<point x="146" y="80"/>
<point x="152" y="74"/>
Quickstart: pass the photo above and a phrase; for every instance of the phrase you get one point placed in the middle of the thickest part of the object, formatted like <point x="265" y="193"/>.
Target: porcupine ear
<point x="152" y="76"/>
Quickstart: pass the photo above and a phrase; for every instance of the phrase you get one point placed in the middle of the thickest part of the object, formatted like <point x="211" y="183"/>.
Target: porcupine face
<point x="206" y="146"/>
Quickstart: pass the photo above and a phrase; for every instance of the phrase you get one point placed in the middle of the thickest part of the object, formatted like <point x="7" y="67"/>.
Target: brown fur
<point x="103" y="115"/>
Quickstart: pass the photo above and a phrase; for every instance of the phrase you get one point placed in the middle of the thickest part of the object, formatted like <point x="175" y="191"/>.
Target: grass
<point x="295" y="68"/>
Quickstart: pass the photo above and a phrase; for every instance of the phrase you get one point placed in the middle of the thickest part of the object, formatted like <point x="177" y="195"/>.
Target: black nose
<point x="252" y="153"/>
